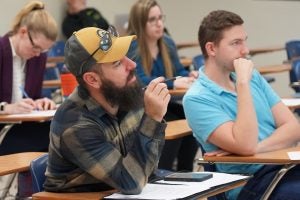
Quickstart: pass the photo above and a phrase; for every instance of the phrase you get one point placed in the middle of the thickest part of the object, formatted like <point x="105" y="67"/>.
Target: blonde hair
<point x="36" y="19"/>
<point x="138" y="18"/>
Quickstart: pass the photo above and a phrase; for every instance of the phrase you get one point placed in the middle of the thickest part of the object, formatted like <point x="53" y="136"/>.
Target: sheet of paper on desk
<point x="291" y="102"/>
<point x="46" y="113"/>
<point x="294" y="155"/>
<point x="178" y="190"/>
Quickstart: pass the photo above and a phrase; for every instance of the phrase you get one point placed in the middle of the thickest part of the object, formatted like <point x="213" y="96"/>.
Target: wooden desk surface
<point x="73" y="196"/>
<point x="18" y="162"/>
<point x="177" y="92"/>
<point x="183" y="45"/>
<point x="274" y="157"/>
<point x="101" y="195"/>
<point x="186" y="61"/>
<point x="274" y="68"/>
<point x="51" y="83"/>
<point x="38" y="116"/>
<point x="56" y="59"/>
<point x="254" y="51"/>
<point x="177" y="129"/>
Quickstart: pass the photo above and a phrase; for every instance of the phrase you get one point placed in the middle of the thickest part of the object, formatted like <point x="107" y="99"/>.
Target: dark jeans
<point x="288" y="187"/>
<point x="26" y="137"/>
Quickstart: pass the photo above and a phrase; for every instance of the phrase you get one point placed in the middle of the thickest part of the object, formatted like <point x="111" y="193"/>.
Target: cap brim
<point x="117" y="51"/>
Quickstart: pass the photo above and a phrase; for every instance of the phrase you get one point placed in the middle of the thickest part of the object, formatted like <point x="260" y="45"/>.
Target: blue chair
<point x="52" y="73"/>
<point x="292" y="48"/>
<point x="198" y="61"/>
<point x="38" y="169"/>
<point x="295" y="79"/>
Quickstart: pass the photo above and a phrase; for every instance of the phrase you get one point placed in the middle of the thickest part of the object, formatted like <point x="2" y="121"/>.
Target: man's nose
<point x="129" y="63"/>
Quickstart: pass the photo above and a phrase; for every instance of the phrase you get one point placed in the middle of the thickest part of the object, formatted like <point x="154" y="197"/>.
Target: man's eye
<point x="117" y="64"/>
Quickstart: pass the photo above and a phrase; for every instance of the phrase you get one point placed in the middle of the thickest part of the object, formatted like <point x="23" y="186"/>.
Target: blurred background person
<point x="22" y="63"/>
<point x="156" y="55"/>
<point x="80" y="16"/>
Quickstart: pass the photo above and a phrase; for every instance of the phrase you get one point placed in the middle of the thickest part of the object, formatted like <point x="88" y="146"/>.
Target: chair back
<point x="295" y="73"/>
<point x="292" y="49"/>
<point x="57" y="49"/>
<point x="38" y="168"/>
<point x="198" y="61"/>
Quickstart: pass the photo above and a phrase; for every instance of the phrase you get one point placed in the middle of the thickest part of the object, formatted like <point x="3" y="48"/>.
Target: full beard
<point x="127" y="98"/>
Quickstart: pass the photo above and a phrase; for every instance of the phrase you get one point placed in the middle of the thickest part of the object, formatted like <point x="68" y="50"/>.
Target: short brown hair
<point x="213" y="25"/>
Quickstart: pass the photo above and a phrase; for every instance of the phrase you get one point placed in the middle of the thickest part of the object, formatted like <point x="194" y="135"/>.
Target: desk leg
<point x="276" y="179"/>
<point x="4" y="130"/>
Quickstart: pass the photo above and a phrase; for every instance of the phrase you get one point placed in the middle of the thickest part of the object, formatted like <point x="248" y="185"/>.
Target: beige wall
<point x="269" y="23"/>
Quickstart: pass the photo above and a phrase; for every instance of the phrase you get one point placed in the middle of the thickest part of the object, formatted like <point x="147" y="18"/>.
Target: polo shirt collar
<point x="211" y="85"/>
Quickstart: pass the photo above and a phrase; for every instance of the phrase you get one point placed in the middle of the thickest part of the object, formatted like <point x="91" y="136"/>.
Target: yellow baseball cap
<point x="92" y="45"/>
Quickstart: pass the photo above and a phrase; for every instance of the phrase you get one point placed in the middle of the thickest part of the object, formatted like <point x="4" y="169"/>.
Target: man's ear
<point x="210" y="48"/>
<point x="92" y="79"/>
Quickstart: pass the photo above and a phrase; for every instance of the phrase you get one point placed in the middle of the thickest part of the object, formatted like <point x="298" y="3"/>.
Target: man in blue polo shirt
<point x="232" y="109"/>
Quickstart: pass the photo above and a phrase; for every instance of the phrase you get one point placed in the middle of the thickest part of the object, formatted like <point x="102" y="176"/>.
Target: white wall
<point x="269" y="23"/>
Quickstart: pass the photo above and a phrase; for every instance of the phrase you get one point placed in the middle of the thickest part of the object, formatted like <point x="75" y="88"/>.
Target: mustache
<point x="131" y="75"/>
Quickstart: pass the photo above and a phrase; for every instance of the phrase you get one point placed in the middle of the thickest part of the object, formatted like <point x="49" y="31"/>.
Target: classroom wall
<point x="268" y="23"/>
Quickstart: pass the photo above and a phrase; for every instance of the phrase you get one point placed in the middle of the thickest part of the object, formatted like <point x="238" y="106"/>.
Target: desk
<point x="177" y="92"/>
<point x="274" y="68"/>
<point x="10" y="120"/>
<point x="101" y="195"/>
<point x="254" y="51"/>
<point x="55" y="59"/>
<point x="186" y="61"/>
<point x="177" y="129"/>
<point x="18" y="162"/>
<point x="183" y="45"/>
<point x="71" y="196"/>
<point x="291" y="103"/>
<point x="279" y="157"/>
<point x="51" y="83"/>
<point x="274" y="157"/>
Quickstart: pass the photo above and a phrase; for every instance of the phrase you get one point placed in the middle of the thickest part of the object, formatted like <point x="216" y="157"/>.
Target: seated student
<point x="79" y="16"/>
<point x="156" y="55"/>
<point x="22" y="64"/>
<point x="109" y="133"/>
<point x="240" y="113"/>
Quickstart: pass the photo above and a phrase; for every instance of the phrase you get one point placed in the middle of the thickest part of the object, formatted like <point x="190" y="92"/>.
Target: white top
<point x="18" y="75"/>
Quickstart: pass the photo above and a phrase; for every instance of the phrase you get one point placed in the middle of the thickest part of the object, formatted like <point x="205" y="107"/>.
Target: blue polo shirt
<point x="207" y="106"/>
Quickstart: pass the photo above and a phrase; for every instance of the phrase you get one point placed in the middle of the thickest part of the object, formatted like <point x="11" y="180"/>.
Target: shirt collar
<point x="211" y="85"/>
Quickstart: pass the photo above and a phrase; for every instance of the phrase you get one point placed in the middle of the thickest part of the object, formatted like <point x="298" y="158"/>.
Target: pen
<point x="24" y="92"/>
<point x="166" y="80"/>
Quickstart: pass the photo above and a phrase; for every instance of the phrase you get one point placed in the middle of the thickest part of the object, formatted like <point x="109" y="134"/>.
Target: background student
<point x="79" y="16"/>
<point x="240" y="112"/>
<point x="22" y="64"/>
<point x="156" y="55"/>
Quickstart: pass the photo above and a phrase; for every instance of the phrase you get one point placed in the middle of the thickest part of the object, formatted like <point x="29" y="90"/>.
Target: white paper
<point x="291" y="101"/>
<point x="294" y="155"/>
<point x="179" y="189"/>
<point x="46" y="113"/>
